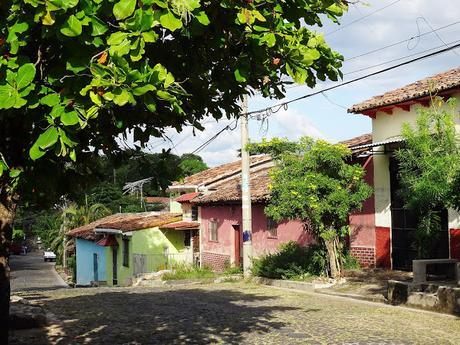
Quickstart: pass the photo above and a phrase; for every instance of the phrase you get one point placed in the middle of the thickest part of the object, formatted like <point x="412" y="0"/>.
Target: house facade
<point x="113" y="250"/>
<point x="382" y="234"/>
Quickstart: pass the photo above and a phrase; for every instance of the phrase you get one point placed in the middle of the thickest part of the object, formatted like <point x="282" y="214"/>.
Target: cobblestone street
<point x="229" y="313"/>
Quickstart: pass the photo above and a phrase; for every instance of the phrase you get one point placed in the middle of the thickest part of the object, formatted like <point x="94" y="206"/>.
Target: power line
<point x="274" y="109"/>
<point x="207" y="142"/>
<point x="402" y="41"/>
<point x="361" y="18"/>
<point x="400" y="58"/>
<point x="285" y="104"/>
<point x="432" y="30"/>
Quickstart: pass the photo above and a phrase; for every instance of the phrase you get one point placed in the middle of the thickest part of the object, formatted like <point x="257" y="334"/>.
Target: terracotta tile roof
<point x="220" y="172"/>
<point x="157" y="200"/>
<point x="422" y="88"/>
<point x="181" y="225"/>
<point x="230" y="191"/>
<point x="125" y="222"/>
<point x="86" y="232"/>
<point x="356" y="141"/>
<point x="186" y="197"/>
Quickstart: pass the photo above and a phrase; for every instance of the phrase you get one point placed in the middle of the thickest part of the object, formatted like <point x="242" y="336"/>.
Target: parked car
<point x="48" y="255"/>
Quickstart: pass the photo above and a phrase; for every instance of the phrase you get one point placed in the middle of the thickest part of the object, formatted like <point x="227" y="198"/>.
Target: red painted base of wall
<point x="365" y="255"/>
<point x="455" y="244"/>
<point x="382" y="247"/>
<point x="217" y="262"/>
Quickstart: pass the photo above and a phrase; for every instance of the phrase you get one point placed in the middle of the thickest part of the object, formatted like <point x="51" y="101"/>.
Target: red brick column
<point x="455" y="244"/>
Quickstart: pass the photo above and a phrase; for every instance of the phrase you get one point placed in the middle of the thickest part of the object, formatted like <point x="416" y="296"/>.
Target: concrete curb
<point x="353" y="296"/>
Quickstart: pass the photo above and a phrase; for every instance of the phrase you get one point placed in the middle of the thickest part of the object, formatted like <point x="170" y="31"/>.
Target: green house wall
<point x="152" y="242"/>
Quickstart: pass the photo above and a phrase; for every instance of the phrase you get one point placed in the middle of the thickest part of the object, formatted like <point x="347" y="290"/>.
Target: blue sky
<point x="328" y="119"/>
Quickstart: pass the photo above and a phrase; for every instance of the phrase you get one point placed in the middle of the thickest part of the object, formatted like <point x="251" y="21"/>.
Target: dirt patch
<point x="369" y="283"/>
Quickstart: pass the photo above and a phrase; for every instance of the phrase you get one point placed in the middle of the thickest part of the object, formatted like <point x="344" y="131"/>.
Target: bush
<point x="188" y="272"/>
<point x="231" y="270"/>
<point x="293" y="262"/>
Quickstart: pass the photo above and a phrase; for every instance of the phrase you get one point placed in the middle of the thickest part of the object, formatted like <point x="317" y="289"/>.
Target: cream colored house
<point x="387" y="238"/>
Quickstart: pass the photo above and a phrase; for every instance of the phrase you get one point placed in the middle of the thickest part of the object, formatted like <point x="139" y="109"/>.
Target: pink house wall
<point x="228" y="217"/>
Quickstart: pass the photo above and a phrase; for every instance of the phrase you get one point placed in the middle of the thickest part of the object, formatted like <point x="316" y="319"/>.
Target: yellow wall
<point x="148" y="241"/>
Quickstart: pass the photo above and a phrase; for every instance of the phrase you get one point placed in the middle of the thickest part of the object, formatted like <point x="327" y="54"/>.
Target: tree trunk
<point x="333" y="253"/>
<point x="7" y="212"/>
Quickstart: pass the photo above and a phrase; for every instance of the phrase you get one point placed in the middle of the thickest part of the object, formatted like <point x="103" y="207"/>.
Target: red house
<point x="382" y="234"/>
<point x="213" y="199"/>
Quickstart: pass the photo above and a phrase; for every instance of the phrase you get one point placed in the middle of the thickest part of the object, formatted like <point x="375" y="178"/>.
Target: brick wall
<point x="216" y="261"/>
<point x="365" y="255"/>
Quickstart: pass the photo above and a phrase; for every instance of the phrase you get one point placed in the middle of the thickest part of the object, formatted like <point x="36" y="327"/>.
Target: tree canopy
<point x="429" y="169"/>
<point x="315" y="182"/>
<point x="76" y="74"/>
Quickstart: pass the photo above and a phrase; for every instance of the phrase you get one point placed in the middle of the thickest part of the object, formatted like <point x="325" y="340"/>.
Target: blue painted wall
<point x="85" y="263"/>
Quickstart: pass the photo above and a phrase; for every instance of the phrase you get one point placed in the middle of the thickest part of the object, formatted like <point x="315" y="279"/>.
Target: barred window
<point x="272" y="228"/>
<point x="212" y="227"/>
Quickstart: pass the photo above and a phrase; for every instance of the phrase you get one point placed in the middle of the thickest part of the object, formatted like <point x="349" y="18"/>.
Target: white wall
<point x="384" y="127"/>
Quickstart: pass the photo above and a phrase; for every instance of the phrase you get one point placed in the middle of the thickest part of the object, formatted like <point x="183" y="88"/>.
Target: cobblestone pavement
<point x="228" y="313"/>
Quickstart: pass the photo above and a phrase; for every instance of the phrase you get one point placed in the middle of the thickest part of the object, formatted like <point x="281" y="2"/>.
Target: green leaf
<point x="35" y="152"/>
<point x="239" y="76"/>
<point x="121" y="97"/>
<point x="70" y="118"/>
<point x="72" y="27"/>
<point x="141" y="90"/>
<point x="8" y="96"/>
<point x="51" y="100"/>
<point x="73" y="155"/>
<point x="48" y="138"/>
<point x="170" y="22"/>
<point x="202" y="18"/>
<point x="169" y="80"/>
<point x="165" y="95"/>
<point x="25" y="75"/>
<point x="124" y="8"/>
<point x="98" y="26"/>
<point x="14" y="173"/>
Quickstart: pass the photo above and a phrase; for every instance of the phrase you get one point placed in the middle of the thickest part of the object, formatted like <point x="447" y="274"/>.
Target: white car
<point x="49" y="256"/>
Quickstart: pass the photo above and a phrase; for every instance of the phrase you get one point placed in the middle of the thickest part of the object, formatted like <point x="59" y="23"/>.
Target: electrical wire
<point x="400" y="58"/>
<point x="402" y="41"/>
<point x="285" y="104"/>
<point x="361" y="18"/>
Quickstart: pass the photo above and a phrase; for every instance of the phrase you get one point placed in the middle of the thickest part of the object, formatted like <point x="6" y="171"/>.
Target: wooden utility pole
<point x="245" y="190"/>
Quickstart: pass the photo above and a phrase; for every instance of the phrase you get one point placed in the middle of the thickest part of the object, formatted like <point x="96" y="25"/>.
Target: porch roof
<point x="187" y="197"/>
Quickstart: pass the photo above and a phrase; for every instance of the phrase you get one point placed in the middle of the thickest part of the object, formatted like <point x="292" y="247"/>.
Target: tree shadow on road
<point x="177" y="316"/>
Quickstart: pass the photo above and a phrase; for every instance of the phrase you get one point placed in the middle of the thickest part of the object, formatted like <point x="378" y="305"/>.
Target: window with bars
<point x="272" y="228"/>
<point x="212" y="227"/>
<point x="194" y="213"/>
<point x="125" y="252"/>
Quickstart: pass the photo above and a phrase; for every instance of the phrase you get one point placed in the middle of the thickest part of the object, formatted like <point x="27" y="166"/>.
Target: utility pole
<point x="246" y="191"/>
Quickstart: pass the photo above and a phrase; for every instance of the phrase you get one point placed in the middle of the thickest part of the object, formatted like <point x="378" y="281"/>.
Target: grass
<point x="189" y="272"/>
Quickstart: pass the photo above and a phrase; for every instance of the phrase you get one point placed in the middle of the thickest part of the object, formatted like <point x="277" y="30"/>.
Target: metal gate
<point x="403" y="227"/>
<point x="140" y="263"/>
